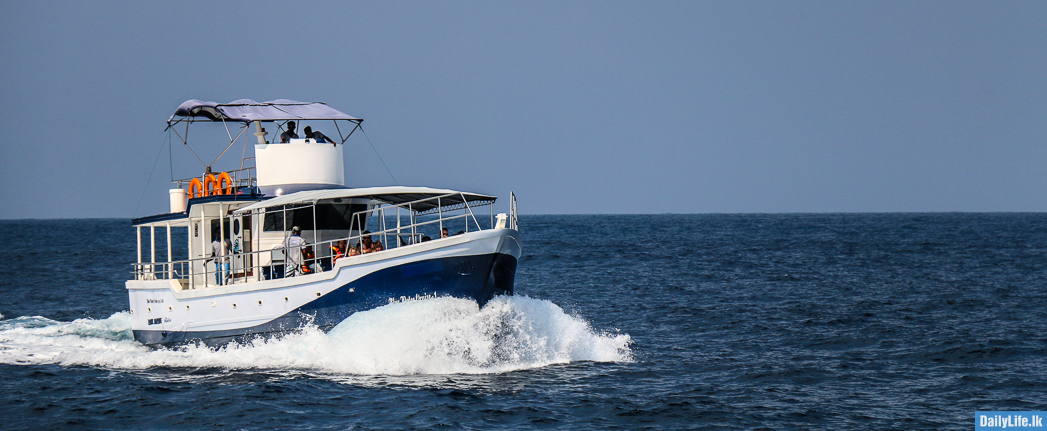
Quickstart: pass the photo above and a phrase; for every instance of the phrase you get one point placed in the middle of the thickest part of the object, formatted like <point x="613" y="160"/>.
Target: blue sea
<point x="715" y="322"/>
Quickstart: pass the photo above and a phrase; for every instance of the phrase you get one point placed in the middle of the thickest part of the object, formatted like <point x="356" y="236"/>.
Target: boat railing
<point x="176" y="270"/>
<point x="247" y="267"/>
<point x="383" y="213"/>
<point x="243" y="177"/>
<point x="513" y="222"/>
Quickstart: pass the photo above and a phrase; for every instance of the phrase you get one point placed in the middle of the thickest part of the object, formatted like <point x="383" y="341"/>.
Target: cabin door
<point x="240" y="240"/>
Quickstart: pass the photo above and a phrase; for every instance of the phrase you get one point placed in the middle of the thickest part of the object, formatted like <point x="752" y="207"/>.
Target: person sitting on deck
<point x="293" y="246"/>
<point x="290" y="134"/>
<point x="318" y="136"/>
<point x="354" y="250"/>
<point x="337" y="250"/>
<point x="308" y="259"/>
<point x="369" y="246"/>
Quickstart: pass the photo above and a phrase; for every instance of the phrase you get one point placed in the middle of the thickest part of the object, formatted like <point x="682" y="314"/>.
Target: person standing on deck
<point x="220" y="256"/>
<point x="293" y="248"/>
<point x="290" y="134"/>
<point x="318" y="136"/>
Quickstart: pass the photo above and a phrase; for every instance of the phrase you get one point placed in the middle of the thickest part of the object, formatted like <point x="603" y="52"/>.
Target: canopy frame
<point x="247" y="111"/>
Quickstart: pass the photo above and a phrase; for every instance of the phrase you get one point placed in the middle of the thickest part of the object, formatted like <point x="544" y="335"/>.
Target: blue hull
<point x="479" y="277"/>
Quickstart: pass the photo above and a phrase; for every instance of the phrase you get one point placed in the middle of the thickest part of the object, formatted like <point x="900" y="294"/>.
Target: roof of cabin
<point x="391" y="195"/>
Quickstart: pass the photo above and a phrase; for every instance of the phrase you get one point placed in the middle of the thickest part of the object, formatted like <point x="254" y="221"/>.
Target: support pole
<point x="221" y="240"/>
<point x="170" y="255"/>
<point x="138" y="268"/>
<point x="203" y="243"/>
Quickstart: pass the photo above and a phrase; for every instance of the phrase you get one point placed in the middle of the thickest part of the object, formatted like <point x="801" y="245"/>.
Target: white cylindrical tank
<point x="177" y="200"/>
<point x="299" y="163"/>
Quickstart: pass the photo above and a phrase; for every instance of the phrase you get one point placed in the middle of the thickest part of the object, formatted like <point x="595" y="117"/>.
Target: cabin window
<point x="215" y="230"/>
<point x="328" y="217"/>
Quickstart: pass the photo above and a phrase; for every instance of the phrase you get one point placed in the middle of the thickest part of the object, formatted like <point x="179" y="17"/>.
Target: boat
<point x="269" y="241"/>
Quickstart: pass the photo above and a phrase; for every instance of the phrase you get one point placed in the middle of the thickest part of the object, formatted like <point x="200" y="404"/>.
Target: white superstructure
<point x="255" y="286"/>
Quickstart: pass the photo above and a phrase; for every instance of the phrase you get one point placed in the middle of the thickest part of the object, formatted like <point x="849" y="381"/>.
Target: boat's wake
<point x="434" y="336"/>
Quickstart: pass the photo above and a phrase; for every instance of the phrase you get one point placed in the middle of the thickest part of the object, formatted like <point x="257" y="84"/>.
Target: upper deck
<point x="289" y="158"/>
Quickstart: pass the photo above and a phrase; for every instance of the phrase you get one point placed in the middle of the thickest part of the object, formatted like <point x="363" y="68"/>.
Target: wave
<point x="432" y="336"/>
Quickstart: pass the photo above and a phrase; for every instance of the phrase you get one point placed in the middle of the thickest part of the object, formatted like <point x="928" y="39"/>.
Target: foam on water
<point x="435" y="336"/>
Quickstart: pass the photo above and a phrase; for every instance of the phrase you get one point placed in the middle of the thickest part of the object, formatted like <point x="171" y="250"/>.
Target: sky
<point x="579" y="107"/>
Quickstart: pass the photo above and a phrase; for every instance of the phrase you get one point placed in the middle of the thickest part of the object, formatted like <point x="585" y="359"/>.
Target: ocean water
<point x="723" y="322"/>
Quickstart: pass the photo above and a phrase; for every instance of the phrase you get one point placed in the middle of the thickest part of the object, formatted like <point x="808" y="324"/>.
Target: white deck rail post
<point x="170" y="255"/>
<point x="219" y="265"/>
<point x="385" y="228"/>
<point x="152" y="252"/>
<point x="138" y="268"/>
<point x="469" y="210"/>
<point x="203" y="243"/>
<point x="414" y="227"/>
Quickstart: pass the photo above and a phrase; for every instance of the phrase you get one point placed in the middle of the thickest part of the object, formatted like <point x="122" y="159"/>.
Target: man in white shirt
<point x="293" y="246"/>
<point x="219" y="254"/>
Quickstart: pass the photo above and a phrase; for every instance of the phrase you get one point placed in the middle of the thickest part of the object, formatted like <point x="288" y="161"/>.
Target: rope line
<point x="379" y="155"/>
<point x="146" y="188"/>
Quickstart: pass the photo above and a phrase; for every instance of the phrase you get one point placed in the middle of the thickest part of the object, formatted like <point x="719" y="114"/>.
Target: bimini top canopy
<point x="423" y="199"/>
<point x="247" y="110"/>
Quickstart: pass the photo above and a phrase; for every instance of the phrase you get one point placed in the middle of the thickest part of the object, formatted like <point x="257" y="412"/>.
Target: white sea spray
<point x="432" y="336"/>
